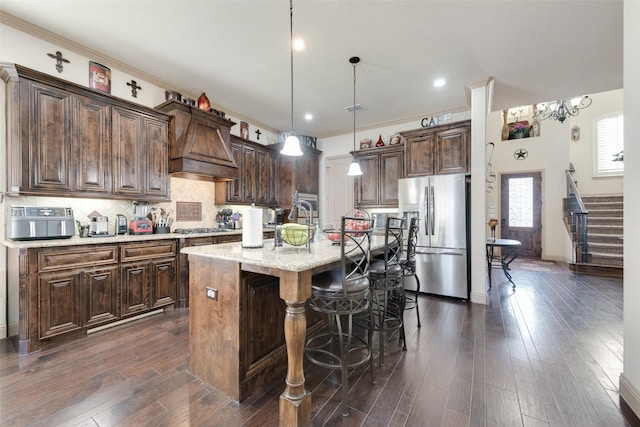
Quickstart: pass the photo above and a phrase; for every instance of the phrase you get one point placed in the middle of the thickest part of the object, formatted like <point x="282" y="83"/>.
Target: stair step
<point x="597" y="269"/>
<point x="603" y="205"/>
<point x="606" y="259"/>
<point x="605" y="248"/>
<point x="605" y="213"/>
<point x="602" y="199"/>
<point x="605" y="221"/>
<point x="615" y="239"/>
<point x="605" y="228"/>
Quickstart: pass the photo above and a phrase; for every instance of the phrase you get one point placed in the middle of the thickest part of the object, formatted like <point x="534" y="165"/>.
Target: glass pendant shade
<point x="291" y="146"/>
<point x="354" y="169"/>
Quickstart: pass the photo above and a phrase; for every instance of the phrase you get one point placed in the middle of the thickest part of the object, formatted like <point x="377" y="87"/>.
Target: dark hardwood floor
<point x="547" y="354"/>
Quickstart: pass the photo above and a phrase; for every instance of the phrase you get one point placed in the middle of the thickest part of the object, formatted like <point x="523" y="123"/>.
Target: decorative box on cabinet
<point x="70" y="141"/>
<point x="438" y="150"/>
<point x="381" y="169"/>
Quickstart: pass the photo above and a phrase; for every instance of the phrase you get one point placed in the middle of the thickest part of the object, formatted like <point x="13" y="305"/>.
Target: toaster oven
<point x="37" y="223"/>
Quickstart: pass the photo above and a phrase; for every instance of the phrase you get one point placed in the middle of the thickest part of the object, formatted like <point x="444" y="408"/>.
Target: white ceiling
<point x="238" y="52"/>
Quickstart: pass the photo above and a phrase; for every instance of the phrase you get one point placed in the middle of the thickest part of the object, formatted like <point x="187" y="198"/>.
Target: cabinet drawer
<point x="148" y="250"/>
<point x="77" y="256"/>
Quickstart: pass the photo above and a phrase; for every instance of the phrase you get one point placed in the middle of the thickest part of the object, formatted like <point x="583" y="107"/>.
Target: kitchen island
<point x="216" y="284"/>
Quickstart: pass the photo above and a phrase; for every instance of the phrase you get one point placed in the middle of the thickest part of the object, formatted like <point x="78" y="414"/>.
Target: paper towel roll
<point x="252" y="228"/>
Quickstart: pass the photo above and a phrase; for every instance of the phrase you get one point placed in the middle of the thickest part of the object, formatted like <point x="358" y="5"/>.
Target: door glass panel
<point x="521" y="202"/>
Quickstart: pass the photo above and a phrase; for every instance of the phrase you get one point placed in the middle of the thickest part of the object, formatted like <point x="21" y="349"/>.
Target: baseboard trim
<point x="479" y="298"/>
<point x="123" y="321"/>
<point x="630" y="394"/>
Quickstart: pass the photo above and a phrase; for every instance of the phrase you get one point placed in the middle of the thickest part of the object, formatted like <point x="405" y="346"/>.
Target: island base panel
<point x="213" y="334"/>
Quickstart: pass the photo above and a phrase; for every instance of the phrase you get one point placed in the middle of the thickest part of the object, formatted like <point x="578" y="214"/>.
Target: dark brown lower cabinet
<point x="263" y="352"/>
<point x="64" y="291"/>
<point x="100" y="288"/>
<point x="60" y="303"/>
<point x="135" y="288"/>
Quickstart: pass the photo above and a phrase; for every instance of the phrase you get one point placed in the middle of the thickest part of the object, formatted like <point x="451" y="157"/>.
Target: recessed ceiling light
<point x="308" y="116"/>
<point x="299" y="45"/>
<point x="439" y="83"/>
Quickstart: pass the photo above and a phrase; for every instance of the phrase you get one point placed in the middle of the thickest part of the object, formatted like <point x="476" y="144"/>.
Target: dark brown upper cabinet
<point x="70" y="141"/>
<point x="438" y="150"/>
<point x="258" y="175"/>
<point x="381" y="169"/>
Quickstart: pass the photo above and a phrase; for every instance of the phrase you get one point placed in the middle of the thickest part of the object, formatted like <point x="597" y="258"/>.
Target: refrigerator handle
<point x="432" y="206"/>
<point x="425" y="213"/>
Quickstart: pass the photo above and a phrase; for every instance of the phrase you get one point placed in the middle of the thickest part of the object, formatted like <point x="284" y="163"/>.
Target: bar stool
<point x="387" y="292"/>
<point x="341" y="294"/>
<point x="408" y="263"/>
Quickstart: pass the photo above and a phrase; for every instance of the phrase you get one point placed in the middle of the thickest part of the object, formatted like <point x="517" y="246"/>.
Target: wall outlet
<point x="212" y="294"/>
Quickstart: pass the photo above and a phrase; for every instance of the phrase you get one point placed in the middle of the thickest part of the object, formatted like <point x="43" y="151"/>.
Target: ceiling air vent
<point x="356" y="107"/>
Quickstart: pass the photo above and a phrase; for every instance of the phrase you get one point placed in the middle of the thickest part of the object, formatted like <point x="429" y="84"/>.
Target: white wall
<point x="551" y="153"/>
<point x="630" y="378"/>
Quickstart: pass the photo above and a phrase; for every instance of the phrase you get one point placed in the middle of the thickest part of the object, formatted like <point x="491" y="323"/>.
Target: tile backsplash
<point x="182" y="190"/>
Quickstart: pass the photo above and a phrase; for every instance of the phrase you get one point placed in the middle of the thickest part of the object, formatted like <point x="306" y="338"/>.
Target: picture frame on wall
<point x="99" y="77"/>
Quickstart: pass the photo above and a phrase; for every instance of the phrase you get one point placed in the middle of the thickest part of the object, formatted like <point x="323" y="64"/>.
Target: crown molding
<point x="81" y="49"/>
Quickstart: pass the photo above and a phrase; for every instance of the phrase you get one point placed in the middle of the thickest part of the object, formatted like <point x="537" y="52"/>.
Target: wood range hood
<point x="199" y="144"/>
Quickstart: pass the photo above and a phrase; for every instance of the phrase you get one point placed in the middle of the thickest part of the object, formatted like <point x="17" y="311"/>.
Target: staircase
<point x="604" y="236"/>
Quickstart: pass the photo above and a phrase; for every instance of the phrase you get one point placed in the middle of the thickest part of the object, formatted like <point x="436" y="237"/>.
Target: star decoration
<point x="520" y="154"/>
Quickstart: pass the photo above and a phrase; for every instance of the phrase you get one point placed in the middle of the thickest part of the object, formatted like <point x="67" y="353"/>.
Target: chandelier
<point x="562" y="108"/>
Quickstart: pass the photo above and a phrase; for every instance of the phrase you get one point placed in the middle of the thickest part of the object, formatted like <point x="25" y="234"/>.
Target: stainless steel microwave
<point x="312" y="199"/>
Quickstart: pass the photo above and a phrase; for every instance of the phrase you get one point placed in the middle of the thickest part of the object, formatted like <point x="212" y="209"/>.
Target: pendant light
<point x="354" y="168"/>
<point x="291" y="144"/>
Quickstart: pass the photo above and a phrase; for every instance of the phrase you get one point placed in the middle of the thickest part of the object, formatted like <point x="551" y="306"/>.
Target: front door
<point x="521" y="207"/>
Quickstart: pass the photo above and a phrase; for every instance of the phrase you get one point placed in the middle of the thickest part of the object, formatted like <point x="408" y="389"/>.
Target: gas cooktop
<point x="200" y="230"/>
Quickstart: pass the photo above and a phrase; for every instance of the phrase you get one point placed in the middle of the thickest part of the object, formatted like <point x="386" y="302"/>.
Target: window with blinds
<point x="609" y="145"/>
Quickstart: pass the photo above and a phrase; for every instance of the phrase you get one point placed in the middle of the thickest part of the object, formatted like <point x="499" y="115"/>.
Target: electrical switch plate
<point x="212" y="294"/>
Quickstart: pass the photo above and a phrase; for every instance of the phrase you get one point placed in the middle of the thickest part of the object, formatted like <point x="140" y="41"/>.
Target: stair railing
<point x="575" y="216"/>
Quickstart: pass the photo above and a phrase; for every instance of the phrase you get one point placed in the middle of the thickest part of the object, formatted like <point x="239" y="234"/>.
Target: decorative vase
<point x="203" y="102"/>
<point x="380" y="142"/>
<point x="505" y="127"/>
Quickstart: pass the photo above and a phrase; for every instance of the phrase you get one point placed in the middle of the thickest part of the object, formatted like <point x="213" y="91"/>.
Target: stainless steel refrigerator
<point x="442" y="204"/>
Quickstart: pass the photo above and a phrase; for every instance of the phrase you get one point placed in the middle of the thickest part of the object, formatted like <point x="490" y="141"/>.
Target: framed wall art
<point x="99" y="77"/>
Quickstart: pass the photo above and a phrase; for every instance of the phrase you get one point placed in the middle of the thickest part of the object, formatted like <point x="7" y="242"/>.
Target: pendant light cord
<point x="354" y="60"/>
<point x="354" y="105"/>
<point x="291" y="51"/>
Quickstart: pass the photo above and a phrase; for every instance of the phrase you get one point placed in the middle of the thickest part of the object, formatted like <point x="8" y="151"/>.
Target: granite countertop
<point x="285" y="257"/>
<point x="123" y="238"/>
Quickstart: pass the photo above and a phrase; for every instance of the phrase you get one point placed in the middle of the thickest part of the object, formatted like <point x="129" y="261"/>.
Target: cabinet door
<point x="46" y="156"/>
<point x="157" y="154"/>
<point x="60" y="303"/>
<point x="421" y="154"/>
<point x="92" y="146"/>
<point x="163" y="282"/>
<point x="100" y="295"/>
<point x="266" y="174"/>
<point x="286" y="170"/>
<point x="307" y="170"/>
<point x="249" y="171"/>
<point x="128" y="152"/>
<point x="134" y="288"/>
<point x="367" y="184"/>
<point x="234" y="187"/>
<point x="264" y="319"/>
<point x="453" y="151"/>
<point x="391" y="169"/>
